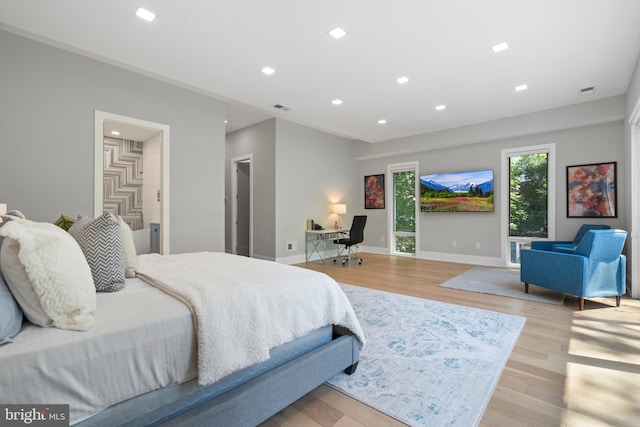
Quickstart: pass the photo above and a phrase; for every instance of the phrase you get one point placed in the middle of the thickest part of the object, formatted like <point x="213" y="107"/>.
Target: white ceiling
<point x="218" y="47"/>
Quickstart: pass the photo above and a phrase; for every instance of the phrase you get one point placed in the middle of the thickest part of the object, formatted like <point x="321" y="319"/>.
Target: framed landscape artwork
<point x="591" y="190"/>
<point x="463" y="191"/>
<point x="374" y="191"/>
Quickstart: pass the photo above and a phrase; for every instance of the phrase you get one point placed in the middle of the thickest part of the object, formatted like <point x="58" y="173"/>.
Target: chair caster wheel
<point x="334" y="261"/>
<point x="360" y="262"/>
<point x="344" y="262"/>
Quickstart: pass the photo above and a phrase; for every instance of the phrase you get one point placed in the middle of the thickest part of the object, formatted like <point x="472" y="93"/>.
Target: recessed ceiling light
<point x="115" y="132"/>
<point x="145" y="14"/>
<point x="520" y="88"/>
<point x="336" y="101"/>
<point x="500" y="47"/>
<point x="226" y="121"/>
<point x="402" y="80"/>
<point x="337" y="33"/>
<point x="268" y="71"/>
<point x="382" y="122"/>
<point x="440" y="107"/>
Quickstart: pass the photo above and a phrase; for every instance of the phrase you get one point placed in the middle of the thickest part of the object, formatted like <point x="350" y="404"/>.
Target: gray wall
<point x="575" y="144"/>
<point x="298" y="172"/>
<point x="260" y="141"/>
<point x="313" y="170"/>
<point x="47" y="107"/>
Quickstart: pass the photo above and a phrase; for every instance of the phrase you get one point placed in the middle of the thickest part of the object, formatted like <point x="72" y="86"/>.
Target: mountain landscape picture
<point x="470" y="191"/>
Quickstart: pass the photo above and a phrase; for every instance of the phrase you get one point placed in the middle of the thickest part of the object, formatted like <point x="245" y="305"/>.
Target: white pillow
<point x="48" y="275"/>
<point x="130" y="255"/>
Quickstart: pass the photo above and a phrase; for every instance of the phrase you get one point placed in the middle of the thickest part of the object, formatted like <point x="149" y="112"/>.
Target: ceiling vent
<point x="587" y="90"/>
<point x="281" y="107"/>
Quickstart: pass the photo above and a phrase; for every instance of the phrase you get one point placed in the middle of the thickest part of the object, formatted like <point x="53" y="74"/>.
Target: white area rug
<point x="427" y="363"/>
<point x="504" y="282"/>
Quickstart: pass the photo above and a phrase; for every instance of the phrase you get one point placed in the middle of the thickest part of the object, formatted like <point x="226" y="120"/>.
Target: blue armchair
<point x="596" y="268"/>
<point x="565" y="245"/>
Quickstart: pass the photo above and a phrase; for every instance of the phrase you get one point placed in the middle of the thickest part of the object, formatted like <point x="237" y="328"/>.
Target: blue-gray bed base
<point x="247" y="404"/>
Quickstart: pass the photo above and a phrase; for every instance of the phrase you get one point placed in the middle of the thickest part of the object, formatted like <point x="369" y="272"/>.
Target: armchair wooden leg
<point x="617" y="300"/>
<point x="526" y="288"/>
<point x="581" y="303"/>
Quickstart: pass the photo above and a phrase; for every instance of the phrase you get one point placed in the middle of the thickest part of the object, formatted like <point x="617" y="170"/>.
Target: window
<point x="529" y="194"/>
<point x="403" y="216"/>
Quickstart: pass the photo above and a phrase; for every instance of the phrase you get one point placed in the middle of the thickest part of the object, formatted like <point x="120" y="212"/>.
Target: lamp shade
<point x="339" y="208"/>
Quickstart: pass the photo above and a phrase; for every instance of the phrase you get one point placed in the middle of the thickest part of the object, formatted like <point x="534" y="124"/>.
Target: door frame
<point x="389" y="190"/>
<point x="98" y="193"/>
<point x="634" y="263"/>
<point x="234" y="201"/>
<point x="505" y="239"/>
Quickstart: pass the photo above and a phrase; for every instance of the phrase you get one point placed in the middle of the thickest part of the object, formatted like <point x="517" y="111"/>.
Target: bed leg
<point x="351" y="369"/>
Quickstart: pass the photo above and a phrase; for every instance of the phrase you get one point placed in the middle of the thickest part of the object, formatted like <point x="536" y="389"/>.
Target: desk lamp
<point x="338" y="209"/>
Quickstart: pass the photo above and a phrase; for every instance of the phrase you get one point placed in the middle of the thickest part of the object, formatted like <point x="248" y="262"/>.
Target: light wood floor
<point x="568" y="368"/>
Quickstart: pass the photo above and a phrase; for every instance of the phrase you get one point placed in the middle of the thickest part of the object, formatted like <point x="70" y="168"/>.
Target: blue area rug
<point x="427" y="363"/>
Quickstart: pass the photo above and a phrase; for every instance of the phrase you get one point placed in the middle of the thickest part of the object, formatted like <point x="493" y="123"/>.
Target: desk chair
<point x="356" y="235"/>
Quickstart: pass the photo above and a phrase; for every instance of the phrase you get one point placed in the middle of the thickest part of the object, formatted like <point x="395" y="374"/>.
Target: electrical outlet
<point x="477" y="245"/>
<point x="292" y="246"/>
<point x="381" y="239"/>
<point x="454" y="244"/>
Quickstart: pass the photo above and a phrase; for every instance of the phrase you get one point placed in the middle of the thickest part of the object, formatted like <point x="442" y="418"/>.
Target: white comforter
<point x="243" y="306"/>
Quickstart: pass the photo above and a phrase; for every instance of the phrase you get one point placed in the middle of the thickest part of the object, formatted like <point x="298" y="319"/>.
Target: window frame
<point x="505" y="239"/>
<point x="390" y="190"/>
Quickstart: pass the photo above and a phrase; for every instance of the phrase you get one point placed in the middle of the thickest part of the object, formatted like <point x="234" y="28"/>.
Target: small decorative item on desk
<point x="338" y="209"/>
<point x="309" y="224"/>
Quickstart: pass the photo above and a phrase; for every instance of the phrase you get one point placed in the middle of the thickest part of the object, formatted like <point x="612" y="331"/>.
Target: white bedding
<point x="244" y="307"/>
<point x="142" y="339"/>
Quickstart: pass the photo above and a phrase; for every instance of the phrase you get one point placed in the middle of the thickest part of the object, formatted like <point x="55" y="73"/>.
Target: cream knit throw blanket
<point x="243" y="307"/>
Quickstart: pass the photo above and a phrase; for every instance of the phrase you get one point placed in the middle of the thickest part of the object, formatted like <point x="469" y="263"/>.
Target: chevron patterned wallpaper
<point x="123" y="180"/>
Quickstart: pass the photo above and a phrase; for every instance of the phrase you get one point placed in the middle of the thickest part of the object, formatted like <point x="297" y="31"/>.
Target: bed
<point x="151" y="358"/>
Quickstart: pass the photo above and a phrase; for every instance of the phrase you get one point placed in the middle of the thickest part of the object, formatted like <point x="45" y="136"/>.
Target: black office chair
<point x="356" y="235"/>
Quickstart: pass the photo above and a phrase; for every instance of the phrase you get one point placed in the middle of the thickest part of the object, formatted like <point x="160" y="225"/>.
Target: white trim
<point x="98" y="193"/>
<point x="402" y="167"/>
<point x="462" y="259"/>
<point x="234" y="202"/>
<point x="504" y="193"/>
<point x="633" y="279"/>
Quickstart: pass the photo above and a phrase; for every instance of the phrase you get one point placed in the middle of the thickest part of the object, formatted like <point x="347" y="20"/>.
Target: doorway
<point x="242" y="205"/>
<point x="107" y="120"/>
<point x="403" y="186"/>
<point x="528" y="191"/>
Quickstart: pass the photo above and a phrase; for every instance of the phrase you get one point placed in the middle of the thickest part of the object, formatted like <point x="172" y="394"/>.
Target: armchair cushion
<point x="569" y="247"/>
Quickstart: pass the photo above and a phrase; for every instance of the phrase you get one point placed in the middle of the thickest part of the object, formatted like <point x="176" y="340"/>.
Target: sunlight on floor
<point x="603" y="366"/>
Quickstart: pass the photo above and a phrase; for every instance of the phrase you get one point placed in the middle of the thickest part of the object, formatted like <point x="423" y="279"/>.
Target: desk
<point x="318" y="240"/>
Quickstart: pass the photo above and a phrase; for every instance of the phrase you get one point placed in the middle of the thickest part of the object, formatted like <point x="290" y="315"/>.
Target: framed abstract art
<point x="591" y="191"/>
<point x="374" y="191"/>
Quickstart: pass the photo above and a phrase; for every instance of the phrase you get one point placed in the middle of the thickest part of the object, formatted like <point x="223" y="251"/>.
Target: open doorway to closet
<point x="131" y="177"/>
<point x="242" y="205"/>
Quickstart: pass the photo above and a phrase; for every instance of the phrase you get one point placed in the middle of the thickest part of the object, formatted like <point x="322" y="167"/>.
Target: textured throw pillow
<point x="10" y="314"/>
<point x="65" y="222"/>
<point x="11" y="216"/>
<point x="48" y="275"/>
<point x="102" y="244"/>
<point x="130" y="255"/>
<point x="78" y="225"/>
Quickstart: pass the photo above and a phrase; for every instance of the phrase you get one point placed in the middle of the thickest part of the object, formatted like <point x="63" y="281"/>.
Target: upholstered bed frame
<point x="247" y="404"/>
